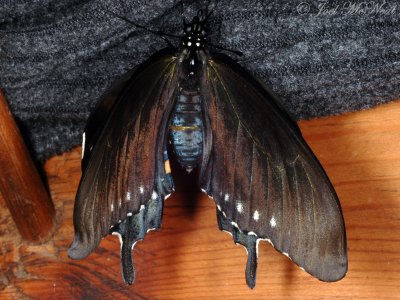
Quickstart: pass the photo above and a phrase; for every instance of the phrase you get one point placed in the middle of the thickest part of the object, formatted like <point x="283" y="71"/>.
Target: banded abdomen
<point x="186" y="129"/>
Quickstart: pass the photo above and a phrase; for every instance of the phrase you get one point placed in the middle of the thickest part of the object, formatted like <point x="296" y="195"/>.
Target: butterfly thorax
<point x="195" y="34"/>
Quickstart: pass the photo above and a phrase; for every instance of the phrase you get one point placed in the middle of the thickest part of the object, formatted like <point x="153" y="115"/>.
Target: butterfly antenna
<point x="205" y="20"/>
<point x="157" y="32"/>
<point x="208" y="14"/>
<point x="240" y="53"/>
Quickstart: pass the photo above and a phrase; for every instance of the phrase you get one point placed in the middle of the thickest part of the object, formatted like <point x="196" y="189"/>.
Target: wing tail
<point x="248" y="241"/>
<point x="133" y="229"/>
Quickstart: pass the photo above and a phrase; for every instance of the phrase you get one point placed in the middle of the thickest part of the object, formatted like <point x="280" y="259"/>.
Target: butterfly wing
<point x="265" y="180"/>
<point x="124" y="180"/>
<point x="98" y="118"/>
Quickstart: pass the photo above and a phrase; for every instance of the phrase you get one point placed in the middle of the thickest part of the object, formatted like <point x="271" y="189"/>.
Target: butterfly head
<point x="196" y="32"/>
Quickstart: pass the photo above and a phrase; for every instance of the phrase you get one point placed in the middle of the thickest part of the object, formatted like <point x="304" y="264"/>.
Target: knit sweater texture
<point x="320" y="58"/>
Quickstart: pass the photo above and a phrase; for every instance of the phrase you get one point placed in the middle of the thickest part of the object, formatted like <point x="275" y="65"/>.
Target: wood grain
<point x="191" y="259"/>
<point x="20" y="183"/>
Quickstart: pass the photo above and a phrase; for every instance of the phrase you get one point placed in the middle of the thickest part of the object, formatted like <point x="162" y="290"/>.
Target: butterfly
<point x="202" y="107"/>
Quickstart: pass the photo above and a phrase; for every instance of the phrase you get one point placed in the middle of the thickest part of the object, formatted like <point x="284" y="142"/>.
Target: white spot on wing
<point x="129" y="214"/>
<point x="230" y="233"/>
<point x="247" y="251"/>
<point x="141" y="189"/>
<point x="236" y="225"/>
<point x="120" y="240"/>
<point x="252" y="233"/>
<point x="142" y="207"/>
<point x="166" y="197"/>
<point x="272" y="222"/>
<point x="83" y="143"/>
<point x="119" y="237"/>
<point x="226" y="198"/>
<point x="219" y="207"/>
<point x="258" y="241"/>
<point x="133" y="245"/>
<point x="128" y="196"/>
<point x="287" y="255"/>
<point x="256" y="215"/>
<point x="154" y="195"/>
<point x="112" y="206"/>
<point x="239" y="207"/>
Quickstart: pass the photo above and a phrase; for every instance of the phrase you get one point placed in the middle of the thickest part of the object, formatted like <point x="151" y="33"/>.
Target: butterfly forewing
<point x="126" y="166"/>
<point x="98" y="118"/>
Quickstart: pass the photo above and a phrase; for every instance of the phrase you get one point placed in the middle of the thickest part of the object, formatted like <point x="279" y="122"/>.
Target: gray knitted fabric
<point x="321" y="58"/>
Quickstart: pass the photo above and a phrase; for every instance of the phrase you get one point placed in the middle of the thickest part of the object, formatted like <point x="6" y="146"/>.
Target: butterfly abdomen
<point x="186" y="129"/>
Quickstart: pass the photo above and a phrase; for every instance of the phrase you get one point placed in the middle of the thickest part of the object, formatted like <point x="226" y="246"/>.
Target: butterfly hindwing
<point x="265" y="180"/>
<point x="124" y="181"/>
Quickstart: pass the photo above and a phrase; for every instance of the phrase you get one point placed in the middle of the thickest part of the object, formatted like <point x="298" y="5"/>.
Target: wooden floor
<point x="190" y="258"/>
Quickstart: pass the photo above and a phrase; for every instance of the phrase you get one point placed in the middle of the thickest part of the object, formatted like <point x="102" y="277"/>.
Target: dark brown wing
<point x="98" y="118"/>
<point x="265" y="180"/>
<point x="123" y="168"/>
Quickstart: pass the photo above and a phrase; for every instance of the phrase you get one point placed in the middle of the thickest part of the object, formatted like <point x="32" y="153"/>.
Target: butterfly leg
<point x="249" y="241"/>
<point x="133" y="229"/>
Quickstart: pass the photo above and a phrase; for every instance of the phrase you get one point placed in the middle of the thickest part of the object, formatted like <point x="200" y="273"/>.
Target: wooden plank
<point x="191" y="259"/>
<point x="20" y="183"/>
